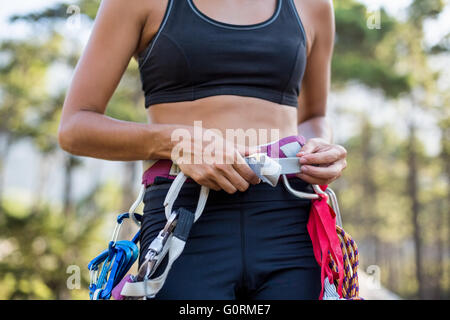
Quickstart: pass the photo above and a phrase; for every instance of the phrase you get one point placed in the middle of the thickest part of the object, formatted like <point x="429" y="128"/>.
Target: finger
<point x="213" y="186"/>
<point x="212" y="174"/>
<point x="310" y="146"/>
<point x="235" y="178"/>
<point x="206" y="182"/>
<point x="313" y="180"/>
<point x="225" y="184"/>
<point x="246" y="151"/>
<point x="329" y="172"/>
<point x="325" y="157"/>
<point x="244" y="171"/>
<point x="232" y="176"/>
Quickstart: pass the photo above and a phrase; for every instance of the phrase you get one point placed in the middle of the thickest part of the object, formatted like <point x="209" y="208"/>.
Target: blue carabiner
<point x="115" y="262"/>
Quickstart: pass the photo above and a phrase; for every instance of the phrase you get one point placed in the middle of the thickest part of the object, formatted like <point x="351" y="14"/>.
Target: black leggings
<point x="249" y="245"/>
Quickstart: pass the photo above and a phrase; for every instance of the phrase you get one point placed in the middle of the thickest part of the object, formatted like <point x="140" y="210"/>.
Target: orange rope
<point x="350" y="288"/>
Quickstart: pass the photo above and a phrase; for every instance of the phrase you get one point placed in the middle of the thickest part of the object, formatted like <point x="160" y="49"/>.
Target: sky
<point x="434" y="29"/>
<point x="8" y="8"/>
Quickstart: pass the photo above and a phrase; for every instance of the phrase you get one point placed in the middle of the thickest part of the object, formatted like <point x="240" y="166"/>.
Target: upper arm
<point x="112" y="44"/>
<point x="316" y="80"/>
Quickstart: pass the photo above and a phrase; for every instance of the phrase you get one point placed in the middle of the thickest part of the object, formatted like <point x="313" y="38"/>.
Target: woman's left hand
<point x="321" y="162"/>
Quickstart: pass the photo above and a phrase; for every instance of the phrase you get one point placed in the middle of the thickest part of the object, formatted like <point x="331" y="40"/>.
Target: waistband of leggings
<point x="155" y="194"/>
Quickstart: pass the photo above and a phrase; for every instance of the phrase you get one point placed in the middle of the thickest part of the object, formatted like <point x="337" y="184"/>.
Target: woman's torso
<point x="224" y="112"/>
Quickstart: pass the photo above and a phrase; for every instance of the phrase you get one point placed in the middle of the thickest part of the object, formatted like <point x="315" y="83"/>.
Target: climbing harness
<point x="334" y="250"/>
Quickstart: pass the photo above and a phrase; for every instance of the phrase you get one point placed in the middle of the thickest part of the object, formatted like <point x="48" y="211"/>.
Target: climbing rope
<point x="350" y="288"/>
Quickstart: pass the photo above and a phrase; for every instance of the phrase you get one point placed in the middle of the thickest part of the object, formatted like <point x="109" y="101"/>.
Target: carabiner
<point x="136" y="203"/>
<point x="173" y="192"/>
<point x="335" y="205"/>
<point x="156" y="247"/>
<point x="304" y="195"/>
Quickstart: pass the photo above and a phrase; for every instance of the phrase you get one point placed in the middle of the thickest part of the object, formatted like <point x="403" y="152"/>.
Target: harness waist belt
<point x="271" y="161"/>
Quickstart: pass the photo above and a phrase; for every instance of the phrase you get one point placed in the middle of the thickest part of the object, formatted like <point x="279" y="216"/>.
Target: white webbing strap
<point x="174" y="246"/>
<point x="152" y="286"/>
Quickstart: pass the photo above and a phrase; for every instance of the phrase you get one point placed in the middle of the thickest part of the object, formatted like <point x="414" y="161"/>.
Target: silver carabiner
<point x="135" y="204"/>
<point x="303" y="195"/>
<point x="157" y="245"/>
<point x="93" y="277"/>
<point x="335" y="205"/>
<point x="328" y="192"/>
<point x="173" y="192"/>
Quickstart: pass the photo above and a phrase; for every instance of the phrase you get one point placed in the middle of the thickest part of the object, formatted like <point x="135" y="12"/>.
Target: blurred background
<point x="389" y="106"/>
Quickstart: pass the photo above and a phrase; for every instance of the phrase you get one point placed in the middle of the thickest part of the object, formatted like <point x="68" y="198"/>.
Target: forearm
<point x="92" y="134"/>
<point x="317" y="127"/>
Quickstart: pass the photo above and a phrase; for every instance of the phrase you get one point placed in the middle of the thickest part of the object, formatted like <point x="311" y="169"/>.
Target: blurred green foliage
<point x="394" y="196"/>
<point x="357" y="49"/>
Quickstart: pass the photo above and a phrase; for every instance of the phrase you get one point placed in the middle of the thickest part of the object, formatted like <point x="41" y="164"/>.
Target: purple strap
<point x="116" y="292"/>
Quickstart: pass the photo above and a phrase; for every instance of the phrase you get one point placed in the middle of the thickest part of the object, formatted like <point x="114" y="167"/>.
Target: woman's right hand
<point x="218" y="165"/>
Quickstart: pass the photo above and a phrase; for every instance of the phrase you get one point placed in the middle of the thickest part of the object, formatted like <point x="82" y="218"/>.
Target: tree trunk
<point x="41" y="182"/>
<point x="412" y="188"/>
<point x="444" y="239"/>
<point x="369" y="190"/>
<point x="129" y="195"/>
<point x="437" y="292"/>
<point x="6" y="146"/>
<point x="69" y="165"/>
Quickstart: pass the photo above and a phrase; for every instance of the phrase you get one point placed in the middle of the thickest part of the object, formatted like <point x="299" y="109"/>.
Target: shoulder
<point x="318" y="19"/>
<point x="316" y="7"/>
<point x="126" y="11"/>
<point x="323" y="6"/>
<point x="318" y="16"/>
<point x="143" y="17"/>
<point x="316" y="10"/>
<point x="323" y="12"/>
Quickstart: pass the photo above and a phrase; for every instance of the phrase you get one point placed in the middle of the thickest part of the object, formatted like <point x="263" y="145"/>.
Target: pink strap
<point x="322" y="230"/>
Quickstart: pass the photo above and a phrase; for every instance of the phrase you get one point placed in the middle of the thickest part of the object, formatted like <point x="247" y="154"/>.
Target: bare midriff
<point x="230" y="112"/>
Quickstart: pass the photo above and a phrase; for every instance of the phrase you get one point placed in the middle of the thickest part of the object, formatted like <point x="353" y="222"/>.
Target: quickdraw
<point x="111" y="265"/>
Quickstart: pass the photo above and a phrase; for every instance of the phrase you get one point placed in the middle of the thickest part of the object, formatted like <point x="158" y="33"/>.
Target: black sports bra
<point x="193" y="56"/>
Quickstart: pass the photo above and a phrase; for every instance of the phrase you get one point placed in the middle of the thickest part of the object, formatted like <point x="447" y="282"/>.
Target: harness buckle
<point x="266" y="168"/>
